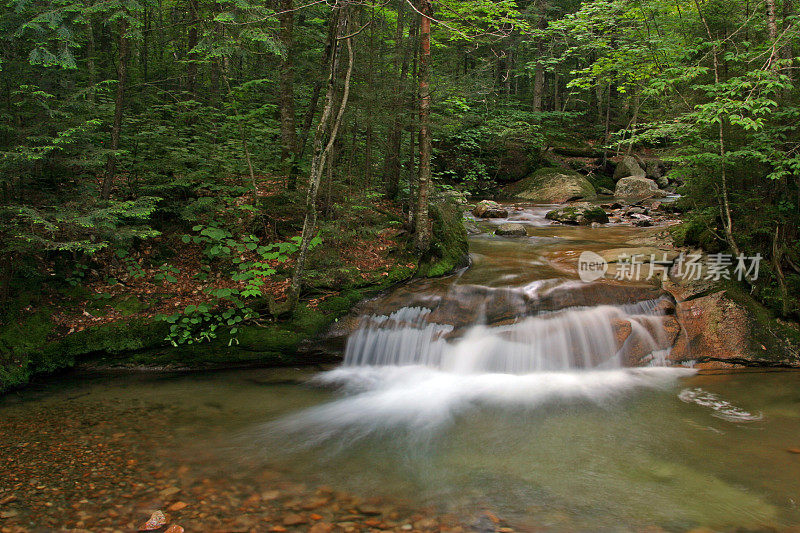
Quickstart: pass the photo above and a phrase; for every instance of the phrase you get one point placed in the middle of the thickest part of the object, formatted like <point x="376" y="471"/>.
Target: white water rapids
<point x="404" y="372"/>
<point x="578" y="338"/>
<point x="510" y="332"/>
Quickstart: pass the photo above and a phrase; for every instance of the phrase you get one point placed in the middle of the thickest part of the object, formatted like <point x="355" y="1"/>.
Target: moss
<point x="128" y="306"/>
<point x="694" y="232"/>
<point x="551" y="184"/>
<point x="573" y="215"/>
<point x="28" y="347"/>
<point x="601" y="181"/>
<point x="780" y="338"/>
<point x="449" y="248"/>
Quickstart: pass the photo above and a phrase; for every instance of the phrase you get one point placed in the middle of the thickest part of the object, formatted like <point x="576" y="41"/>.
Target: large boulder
<point x="628" y="167"/>
<point x="583" y="214"/>
<point x="720" y="332"/>
<point x="552" y="185"/>
<point x="654" y="169"/>
<point x="637" y="188"/>
<point x="511" y="229"/>
<point x="489" y="209"/>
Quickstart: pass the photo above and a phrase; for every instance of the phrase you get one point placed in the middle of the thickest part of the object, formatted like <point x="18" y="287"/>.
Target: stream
<point x="502" y="396"/>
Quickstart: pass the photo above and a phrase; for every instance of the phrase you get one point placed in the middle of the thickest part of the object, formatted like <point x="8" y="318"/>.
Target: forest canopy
<point x="260" y="134"/>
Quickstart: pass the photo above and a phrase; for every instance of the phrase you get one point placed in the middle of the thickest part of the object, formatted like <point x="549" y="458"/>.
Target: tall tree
<point x="322" y="148"/>
<point x="422" y="227"/>
<point x="119" y="106"/>
<point x="288" y="129"/>
<point x="391" y="163"/>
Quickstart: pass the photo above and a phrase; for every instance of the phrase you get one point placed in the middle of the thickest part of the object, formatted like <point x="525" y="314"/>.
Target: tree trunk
<point x="727" y="221"/>
<point x="538" y="76"/>
<point x="777" y="256"/>
<point x="90" y="60"/>
<point x="772" y="27"/>
<point x="787" y="52"/>
<point x="556" y="92"/>
<point x="308" y="119"/>
<point x="538" y="87"/>
<point x="321" y="151"/>
<point x="391" y="164"/>
<point x="191" y="67"/>
<point x="119" y="104"/>
<point x="288" y="132"/>
<point x="422" y="230"/>
<point x="598" y="91"/>
<point x="772" y="23"/>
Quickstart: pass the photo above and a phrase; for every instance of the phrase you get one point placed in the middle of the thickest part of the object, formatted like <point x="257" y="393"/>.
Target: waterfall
<point x="599" y="337"/>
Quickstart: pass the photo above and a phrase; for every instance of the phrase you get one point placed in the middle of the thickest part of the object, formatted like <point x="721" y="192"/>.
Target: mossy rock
<point x="696" y="233"/>
<point x="601" y="181"/>
<point x="551" y="185"/>
<point x="578" y="214"/>
<point x="449" y="248"/>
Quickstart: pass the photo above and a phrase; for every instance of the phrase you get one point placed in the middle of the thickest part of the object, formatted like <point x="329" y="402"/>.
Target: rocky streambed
<point x="586" y="393"/>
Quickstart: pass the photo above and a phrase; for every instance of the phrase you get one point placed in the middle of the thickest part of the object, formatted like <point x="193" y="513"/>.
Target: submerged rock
<point x="511" y="229"/>
<point x="582" y="214"/>
<point x="489" y="209"/>
<point x="552" y="185"/>
<point x="157" y="521"/>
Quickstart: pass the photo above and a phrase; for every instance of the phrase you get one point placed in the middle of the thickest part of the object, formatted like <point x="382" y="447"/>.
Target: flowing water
<point x="507" y="388"/>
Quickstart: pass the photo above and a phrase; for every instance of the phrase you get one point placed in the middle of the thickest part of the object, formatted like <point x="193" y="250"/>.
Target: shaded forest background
<point x="182" y="148"/>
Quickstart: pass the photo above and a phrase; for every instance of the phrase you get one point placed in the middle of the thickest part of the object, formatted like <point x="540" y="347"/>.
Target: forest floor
<point x="138" y="286"/>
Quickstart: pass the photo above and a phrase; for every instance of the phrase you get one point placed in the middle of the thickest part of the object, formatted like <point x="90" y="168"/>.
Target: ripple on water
<point x="721" y="408"/>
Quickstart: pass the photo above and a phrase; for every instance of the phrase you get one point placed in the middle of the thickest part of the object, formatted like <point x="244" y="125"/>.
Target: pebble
<point x="369" y="510"/>
<point x="294" y="519"/>
<point x="156" y="521"/>
<point x="177" y="506"/>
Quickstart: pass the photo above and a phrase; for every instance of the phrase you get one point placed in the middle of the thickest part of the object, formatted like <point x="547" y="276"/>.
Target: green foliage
<point x="228" y="307"/>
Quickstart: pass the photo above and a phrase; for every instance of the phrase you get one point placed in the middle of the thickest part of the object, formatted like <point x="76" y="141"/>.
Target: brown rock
<point x="369" y="510"/>
<point x="174" y="528"/>
<point x="715" y="331"/>
<point x="169" y="491"/>
<point x="177" y="506"/>
<point x="489" y="209"/>
<point x="321" y="527"/>
<point x="294" y="519"/>
<point x="314" y="504"/>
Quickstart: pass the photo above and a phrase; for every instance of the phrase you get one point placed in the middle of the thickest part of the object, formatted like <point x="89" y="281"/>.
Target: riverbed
<point x="450" y="433"/>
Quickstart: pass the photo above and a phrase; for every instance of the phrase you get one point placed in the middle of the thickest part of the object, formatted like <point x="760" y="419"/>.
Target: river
<point x="497" y="397"/>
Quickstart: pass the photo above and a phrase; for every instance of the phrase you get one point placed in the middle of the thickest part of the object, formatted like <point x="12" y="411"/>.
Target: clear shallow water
<point x="593" y="451"/>
<point x="561" y="446"/>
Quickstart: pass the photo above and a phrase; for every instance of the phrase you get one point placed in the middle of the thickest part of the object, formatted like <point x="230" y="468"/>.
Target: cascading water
<point x="574" y="338"/>
<point x="424" y="354"/>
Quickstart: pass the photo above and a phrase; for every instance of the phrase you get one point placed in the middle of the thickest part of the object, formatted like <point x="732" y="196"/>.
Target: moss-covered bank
<point x="30" y="343"/>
